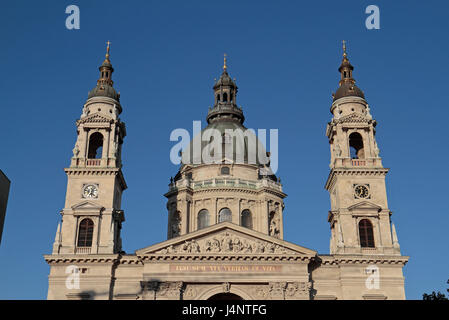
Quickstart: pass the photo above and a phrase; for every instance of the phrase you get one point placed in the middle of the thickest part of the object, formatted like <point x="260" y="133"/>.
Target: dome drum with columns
<point x="225" y="217"/>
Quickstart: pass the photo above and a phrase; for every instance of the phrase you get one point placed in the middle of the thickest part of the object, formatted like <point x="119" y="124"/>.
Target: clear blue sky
<point x="285" y="56"/>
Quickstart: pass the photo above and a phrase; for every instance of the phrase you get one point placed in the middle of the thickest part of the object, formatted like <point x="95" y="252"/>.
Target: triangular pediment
<point x="228" y="239"/>
<point x="87" y="206"/>
<point x="365" y="205"/>
<point x="96" y="118"/>
<point x="354" y="117"/>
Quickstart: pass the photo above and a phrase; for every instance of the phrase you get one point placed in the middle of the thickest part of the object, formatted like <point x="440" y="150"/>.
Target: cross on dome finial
<point x="224" y="63"/>
<point x="344" y="48"/>
<point x="107" y="49"/>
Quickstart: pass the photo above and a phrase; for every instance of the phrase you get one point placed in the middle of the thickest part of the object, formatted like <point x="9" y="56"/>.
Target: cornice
<point x="95" y="171"/>
<point x="81" y="258"/>
<point x="141" y="259"/>
<point x="352" y="172"/>
<point x="325" y="260"/>
<point x="192" y="191"/>
<point x="226" y="257"/>
<point x="362" y="259"/>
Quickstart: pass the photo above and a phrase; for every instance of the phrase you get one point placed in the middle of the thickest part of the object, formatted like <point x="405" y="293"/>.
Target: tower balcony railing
<point x="225" y="182"/>
<point x="103" y="162"/>
<point x="355" y="163"/>
<point x="93" y="162"/>
<point x="83" y="250"/>
<point x="358" y="163"/>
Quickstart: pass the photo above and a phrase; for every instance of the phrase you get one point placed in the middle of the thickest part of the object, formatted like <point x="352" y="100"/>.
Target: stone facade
<point x="225" y="219"/>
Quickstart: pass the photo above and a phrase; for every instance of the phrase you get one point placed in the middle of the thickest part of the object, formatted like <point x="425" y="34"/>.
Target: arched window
<point x="224" y="170"/>
<point x="356" y="145"/>
<point x="246" y="219"/>
<point x="225" y="97"/>
<point x="95" y="146"/>
<point x="85" y="233"/>
<point x="224" y="215"/>
<point x="203" y="219"/>
<point x="218" y="97"/>
<point x="366" y="234"/>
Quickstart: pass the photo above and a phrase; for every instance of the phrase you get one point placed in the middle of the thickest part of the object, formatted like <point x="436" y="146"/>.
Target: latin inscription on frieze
<point x="225" y="268"/>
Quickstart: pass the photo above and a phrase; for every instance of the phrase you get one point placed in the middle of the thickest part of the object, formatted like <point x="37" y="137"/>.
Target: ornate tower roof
<point x="347" y="83"/>
<point x="104" y="83"/>
<point x="225" y="107"/>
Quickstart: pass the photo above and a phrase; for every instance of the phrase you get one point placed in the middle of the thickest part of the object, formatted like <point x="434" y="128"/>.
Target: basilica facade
<point x="225" y="236"/>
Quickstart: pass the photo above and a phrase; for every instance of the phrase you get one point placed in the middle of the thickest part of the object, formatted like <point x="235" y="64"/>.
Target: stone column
<point x="281" y="221"/>
<point x="84" y="145"/>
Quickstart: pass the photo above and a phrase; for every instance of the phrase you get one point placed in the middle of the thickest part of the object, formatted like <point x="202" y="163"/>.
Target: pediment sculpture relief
<point x="226" y="242"/>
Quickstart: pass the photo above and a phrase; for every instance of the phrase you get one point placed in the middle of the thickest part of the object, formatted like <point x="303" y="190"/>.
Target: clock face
<point x="90" y="191"/>
<point x="361" y="191"/>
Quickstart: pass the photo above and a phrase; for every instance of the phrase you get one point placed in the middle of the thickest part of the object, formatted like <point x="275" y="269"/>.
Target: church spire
<point x="106" y="69"/>
<point x="104" y="83"/>
<point x="347" y="82"/>
<point x="224" y="63"/>
<point x="346" y="68"/>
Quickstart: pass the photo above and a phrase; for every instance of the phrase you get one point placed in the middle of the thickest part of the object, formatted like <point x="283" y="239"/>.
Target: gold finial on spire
<point x="224" y="64"/>
<point x="107" y="49"/>
<point x="344" y="48"/>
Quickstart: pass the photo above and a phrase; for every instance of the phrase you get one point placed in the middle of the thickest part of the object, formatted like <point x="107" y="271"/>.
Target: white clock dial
<point x="90" y="191"/>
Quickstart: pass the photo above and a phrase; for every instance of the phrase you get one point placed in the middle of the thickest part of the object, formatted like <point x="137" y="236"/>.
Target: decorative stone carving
<point x="261" y="291"/>
<point x="337" y="150"/>
<point x="227" y="242"/>
<point x="276" y="290"/>
<point x="274" y="225"/>
<point x="297" y="290"/>
<point x="376" y="150"/>
<point x="212" y="245"/>
<point x="95" y="118"/>
<point x="226" y="287"/>
<point x="337" y="114"/>
<point x="76" y="151"/>
<point x="114" y="149"/>
<point x="368" y="114"/>
<point x="190" y="246"/>
<point x="354" y="118"/>
<point x="189" y="292"/>
<point x="169" y="289"/>
<point x="282" y="290"/>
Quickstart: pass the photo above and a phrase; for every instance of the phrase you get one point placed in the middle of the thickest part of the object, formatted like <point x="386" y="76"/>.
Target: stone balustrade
<point x="225" y="182"/>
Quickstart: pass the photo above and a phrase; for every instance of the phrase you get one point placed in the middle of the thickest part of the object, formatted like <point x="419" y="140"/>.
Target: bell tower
<point x="92" y="215"/>
<point x="360" y="219"/>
